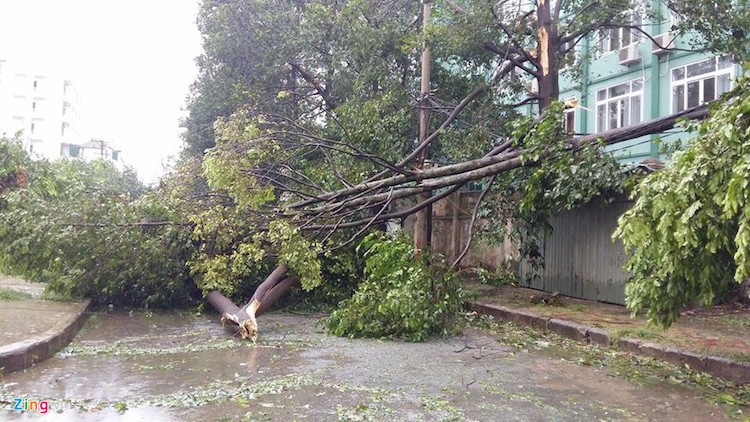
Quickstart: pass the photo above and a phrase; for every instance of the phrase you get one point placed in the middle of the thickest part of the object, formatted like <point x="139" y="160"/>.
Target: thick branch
<point x="431" y="173"/>
<point x="458" y="174"/>
<point x="650" y="127"/>
<point x="265" y="295"/>
<point x="319" y="88"/>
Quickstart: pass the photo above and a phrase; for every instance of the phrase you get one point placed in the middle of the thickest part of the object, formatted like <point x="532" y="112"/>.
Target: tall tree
<point x="325" y="146"/>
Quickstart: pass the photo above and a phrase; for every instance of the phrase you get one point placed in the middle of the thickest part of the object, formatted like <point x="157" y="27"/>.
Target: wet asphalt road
<point x="177" y="367"/>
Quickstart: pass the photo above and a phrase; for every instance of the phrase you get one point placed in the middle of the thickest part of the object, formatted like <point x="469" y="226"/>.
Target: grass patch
<point x="642" y="333"/>
<point x="739" y="321"/>
<point x="578" y="307"/>
<point x="7" y="294"/>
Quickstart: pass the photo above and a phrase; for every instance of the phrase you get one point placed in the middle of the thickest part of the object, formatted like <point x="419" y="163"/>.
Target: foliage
<point x="402" y="296"/>
<point x="689" y="230"/>
<point x="561" y="179"/>
<point x="718" y="25"/>
<point x="83" y="228"/>
<point x="8" y="294"/>
<point x="503" y="275"/>
<point x="293" y="100"/>
<point x="13" y="164"/>
<point x="238" y="243"/>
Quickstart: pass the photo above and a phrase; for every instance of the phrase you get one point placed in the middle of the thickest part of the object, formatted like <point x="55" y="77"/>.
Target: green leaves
<point x="300" y="254"/>
<point x="83" y="227"/>
<point x="402" y="296"/>
<point x="689" y="230"/>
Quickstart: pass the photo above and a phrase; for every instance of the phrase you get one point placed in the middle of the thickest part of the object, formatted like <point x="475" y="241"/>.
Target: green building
<point x="631" y="79"/>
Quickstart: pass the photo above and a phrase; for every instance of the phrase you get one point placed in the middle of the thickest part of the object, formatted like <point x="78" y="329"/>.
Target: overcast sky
<point x="131" y="61"/>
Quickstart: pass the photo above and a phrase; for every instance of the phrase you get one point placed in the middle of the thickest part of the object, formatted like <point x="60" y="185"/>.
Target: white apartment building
<point x="42" y="107"/>
<point x="93" y="149"/>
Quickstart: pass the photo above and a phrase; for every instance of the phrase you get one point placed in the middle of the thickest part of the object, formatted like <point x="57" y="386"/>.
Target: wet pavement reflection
<point x="182" y="367"/>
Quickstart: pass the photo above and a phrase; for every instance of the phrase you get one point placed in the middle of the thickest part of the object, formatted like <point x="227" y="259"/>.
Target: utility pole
<point x="422" y="229"/>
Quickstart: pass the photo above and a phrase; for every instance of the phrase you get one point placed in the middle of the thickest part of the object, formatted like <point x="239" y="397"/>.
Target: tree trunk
<point x="547" y="66"/>
<point x="265" y="295"/>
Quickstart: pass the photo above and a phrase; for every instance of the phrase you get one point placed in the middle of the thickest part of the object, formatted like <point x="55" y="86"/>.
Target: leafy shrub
<point x="689" y="230"/>
<point x="401" y="296"/>
<point x="503" y="275"/>
<point x="83" y="227"/>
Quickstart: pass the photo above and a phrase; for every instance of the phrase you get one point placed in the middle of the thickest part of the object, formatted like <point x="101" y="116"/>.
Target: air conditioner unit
<point x="629" y="55"/>
<point x="664" y="40"/>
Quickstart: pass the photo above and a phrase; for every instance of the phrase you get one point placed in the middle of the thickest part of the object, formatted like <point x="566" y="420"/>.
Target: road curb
<point x="25" y="353"/>
<point x="721" y="367"/>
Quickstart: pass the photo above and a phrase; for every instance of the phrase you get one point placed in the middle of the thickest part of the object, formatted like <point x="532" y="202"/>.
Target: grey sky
<point x="132" y="62"/>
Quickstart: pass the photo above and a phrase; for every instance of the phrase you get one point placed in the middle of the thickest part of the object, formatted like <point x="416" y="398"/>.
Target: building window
<point x="569" y="115"/>
<point x="619" y="105"/>
<point x="569" y="119"/>
<point x="568" y="55"/>
<point x="701" y="82"/>
<point x="614" y="39"/>
<point x="32" y="128"/>
<point x="35" y="85"/>
<point x="33" y="106"/>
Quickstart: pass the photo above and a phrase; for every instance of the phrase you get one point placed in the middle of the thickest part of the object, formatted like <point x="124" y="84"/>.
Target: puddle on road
<point x="589" y="386"/>
<point x="185" y="368"/>
<point x="119" y="377"/>
<point x="151" y="355"/>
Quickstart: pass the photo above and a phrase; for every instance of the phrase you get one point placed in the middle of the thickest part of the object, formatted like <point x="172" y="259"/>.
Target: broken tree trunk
<point x="265" y="295"/>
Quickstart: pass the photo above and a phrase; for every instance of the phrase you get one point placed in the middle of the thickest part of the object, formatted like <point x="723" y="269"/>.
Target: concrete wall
<point x="450" y="226"/>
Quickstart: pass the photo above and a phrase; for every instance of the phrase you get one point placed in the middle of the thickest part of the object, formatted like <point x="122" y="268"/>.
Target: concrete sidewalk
<point x="35" y="290"/>
<point x="32" y="330"/>
<point x="711" y="341"/>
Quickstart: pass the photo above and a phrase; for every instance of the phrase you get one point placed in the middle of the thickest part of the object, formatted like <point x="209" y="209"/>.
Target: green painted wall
<point x="606" y="71"/>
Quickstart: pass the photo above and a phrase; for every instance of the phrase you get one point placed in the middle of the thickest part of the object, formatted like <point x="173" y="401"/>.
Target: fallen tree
<point x="317" y="140"/>
<point x="243" y="320"/>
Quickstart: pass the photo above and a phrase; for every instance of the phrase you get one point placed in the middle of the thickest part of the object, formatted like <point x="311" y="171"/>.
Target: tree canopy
<point x="302" y="137"/>
<point x="689" y="230"/>
<point x="86" y="229"/>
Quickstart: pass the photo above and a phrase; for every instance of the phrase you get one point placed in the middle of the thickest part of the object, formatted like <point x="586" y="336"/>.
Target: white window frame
<point x="606" y="43"/>
<point x="619" y="104"/>
<point x="684" y="81"/>
<point x="570" y="58"/>
<point x="569" y="116"/>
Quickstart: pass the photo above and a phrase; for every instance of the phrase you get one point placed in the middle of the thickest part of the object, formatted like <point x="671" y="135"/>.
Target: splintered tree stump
<point x="265" y="295"/>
